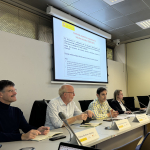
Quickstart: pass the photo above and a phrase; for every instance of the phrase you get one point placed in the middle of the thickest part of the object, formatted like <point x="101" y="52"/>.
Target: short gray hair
<point x="62" y="89"/>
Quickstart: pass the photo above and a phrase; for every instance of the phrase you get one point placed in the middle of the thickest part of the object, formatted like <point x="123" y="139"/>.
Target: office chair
<point x="38" y="113"/>
<point x="144" y="100"/>
<point x="145" y="145"/>
<point x="109" y="102"/>
<point x="84" y="104"/>
<point x="129" y="102"/>
<point x="129" y="146"/>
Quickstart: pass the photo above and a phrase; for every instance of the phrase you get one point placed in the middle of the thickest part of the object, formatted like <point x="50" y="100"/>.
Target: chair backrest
<point x="109" y="102"/>
<point x="129" y="146"/>
<point x="145" y="145"/>
<point x="129" y="101"/>
<point x="84" y="104"/>
<point x="144" y="100"/>
<point x="38" y="113"/>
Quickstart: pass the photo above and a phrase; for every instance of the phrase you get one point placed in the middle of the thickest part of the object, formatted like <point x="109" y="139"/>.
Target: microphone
<point x="109" y="111"/>
<point x="109" y="127"/>
<point x="141" y="103"/>
<point x="63" y="118"/>
<point x="127" y="108"/>
<point x="58" y="118"/>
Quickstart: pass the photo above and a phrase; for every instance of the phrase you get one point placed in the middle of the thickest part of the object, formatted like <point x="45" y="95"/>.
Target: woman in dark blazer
<point x="118" y="104"/>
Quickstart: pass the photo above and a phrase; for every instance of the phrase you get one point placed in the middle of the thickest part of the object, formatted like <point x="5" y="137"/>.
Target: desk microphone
<point x="63" y="118"/>
<point x="58" y="118"/>
<point x="141" y="103"/>
<point x="127" y="108"/>
<point x="109" y="127"/>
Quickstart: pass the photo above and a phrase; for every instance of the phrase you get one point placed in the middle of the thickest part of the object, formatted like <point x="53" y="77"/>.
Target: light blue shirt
<point x="57" y="105"/>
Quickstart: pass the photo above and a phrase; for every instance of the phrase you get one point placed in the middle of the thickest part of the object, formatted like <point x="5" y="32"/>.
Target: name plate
<point x="87" y="136"/>
<point x="121" y="124"/>
<point x="140" y="118"/>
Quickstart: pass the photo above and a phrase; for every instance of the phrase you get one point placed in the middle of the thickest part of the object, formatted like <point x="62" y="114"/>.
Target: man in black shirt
<point x="12" y="119"/>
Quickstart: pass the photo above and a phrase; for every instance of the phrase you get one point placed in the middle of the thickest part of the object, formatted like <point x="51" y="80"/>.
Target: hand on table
<point x="113" y="113"/>
<point x="82" y="116"/>
<point x="44" y="130"/>
<point x="30" y="135"/>
<point x="90" y="113"/>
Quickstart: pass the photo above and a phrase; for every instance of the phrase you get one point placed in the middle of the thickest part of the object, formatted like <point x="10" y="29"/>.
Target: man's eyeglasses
<point x="70" y="92"/>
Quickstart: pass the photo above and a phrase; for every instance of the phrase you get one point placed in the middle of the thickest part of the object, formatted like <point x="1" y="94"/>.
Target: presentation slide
<point x="79" y="55"/>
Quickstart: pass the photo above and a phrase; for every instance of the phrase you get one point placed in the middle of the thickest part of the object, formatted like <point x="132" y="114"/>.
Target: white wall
<point x="27" y="63"/>
<point x="120" y="56"/>
<point x="138" y="67"/>
<point x="117" y="77"/>
<point x="120" y="53"/>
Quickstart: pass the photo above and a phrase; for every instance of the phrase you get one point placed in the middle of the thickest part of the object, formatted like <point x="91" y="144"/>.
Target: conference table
<point x="108" y="139"/>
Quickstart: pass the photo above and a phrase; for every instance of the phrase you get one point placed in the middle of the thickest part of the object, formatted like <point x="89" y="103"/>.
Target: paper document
<point x="121" y="117"/>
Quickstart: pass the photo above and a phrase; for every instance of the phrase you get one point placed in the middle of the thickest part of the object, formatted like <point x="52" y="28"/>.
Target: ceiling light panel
<point x="144" y="24"/>
<point x="112" y="2"/>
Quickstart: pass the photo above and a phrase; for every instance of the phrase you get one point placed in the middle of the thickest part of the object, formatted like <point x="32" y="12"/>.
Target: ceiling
<point x="118" y="20"/>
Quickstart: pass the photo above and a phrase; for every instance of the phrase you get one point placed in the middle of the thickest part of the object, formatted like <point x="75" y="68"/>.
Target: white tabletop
<point x="47" y="145"/>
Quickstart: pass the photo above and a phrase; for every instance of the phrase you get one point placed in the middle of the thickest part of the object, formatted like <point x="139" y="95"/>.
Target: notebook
<point x="43" y="137"/>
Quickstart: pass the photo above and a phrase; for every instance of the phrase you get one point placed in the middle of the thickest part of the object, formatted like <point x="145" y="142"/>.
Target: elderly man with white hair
<point x="64" y="103"/>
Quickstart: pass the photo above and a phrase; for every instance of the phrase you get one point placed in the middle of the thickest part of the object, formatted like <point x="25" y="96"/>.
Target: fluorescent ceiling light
<point x="144" y="24"/>
<point x="112" y="2"/>
<point x="57" y="13"/>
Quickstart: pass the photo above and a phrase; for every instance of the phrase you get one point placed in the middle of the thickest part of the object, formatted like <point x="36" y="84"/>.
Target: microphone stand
<point x="128" y="109"/>
<point x="74" y="138"/>
<point x="110" y="127"/>
<point x="141" y="103"/>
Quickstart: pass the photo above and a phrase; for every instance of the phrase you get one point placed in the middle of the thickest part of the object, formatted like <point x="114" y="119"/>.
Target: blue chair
<point x="129" y="146"/>
<point x="145" y="145"/>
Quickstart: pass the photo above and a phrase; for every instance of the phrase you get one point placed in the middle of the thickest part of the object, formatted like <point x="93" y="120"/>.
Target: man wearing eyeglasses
<point x="64" y="103"/>
<point x="12" y="119"/>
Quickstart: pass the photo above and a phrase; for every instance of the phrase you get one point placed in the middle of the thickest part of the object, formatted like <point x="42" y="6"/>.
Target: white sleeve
<point x="53" y="115"/>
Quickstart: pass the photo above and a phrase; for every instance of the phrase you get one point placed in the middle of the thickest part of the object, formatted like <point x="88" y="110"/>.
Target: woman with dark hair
<point x="118" y="103"/>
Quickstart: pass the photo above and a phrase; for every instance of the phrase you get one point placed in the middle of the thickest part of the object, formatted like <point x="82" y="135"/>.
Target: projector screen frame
<point x="53" y="59"/>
